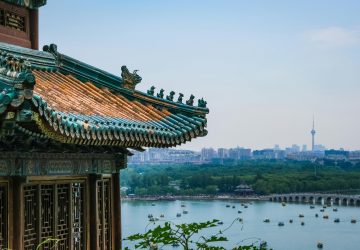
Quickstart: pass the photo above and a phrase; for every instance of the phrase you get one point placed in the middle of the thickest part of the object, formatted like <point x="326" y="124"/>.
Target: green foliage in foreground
<point x="49" y="243"/>
<point x="264" y="176"/>
<point x="183" y="235"/>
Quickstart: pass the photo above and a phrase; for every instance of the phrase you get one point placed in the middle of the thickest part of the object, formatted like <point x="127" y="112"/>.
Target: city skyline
<point x="264" y="68"/>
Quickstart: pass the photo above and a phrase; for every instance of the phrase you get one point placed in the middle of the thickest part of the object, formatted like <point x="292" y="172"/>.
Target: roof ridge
<point x="86" y="72"/>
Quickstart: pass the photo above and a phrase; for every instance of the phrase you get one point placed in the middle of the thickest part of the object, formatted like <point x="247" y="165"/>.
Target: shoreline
<point x="196" y="197"/>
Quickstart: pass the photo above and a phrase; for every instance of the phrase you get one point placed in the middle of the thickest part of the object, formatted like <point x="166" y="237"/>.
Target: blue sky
<point x="265" y="67"/>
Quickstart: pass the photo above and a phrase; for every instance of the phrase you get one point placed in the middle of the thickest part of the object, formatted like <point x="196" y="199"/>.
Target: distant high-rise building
<point x="276" y="147"/>
<point x="223" y="153"/>
<point x="313" y="136"/>
<point x="304" y="148"/>
<point x="319" y="147"/>
<point x="295" y="148"/>
<point x="207" y="154"/>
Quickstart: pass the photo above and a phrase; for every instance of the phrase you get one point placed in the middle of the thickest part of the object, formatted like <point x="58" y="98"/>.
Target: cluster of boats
<point x="152" y="218"/>
<point x="325" y="216"/>
<point x="242" y="204"/>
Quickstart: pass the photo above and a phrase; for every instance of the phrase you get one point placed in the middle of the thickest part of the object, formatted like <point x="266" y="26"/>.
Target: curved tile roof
<point x="73" y="102"/>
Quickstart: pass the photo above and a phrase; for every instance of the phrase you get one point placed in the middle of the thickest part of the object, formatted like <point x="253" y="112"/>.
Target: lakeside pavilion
<point x="65" y="131"/>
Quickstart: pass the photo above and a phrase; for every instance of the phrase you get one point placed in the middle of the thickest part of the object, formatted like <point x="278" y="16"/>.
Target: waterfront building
<point x="244" y="190"/>
<point x="65" y="132"/>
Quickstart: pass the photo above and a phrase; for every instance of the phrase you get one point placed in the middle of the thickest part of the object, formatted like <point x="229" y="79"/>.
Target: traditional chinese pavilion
<point x="65" y="131"/>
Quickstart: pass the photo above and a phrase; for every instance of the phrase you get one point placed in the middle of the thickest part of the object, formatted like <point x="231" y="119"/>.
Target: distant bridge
<point x="317" y="198"/>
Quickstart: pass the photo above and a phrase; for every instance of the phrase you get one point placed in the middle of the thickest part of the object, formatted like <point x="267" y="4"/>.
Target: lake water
<point x="335" y="236"/>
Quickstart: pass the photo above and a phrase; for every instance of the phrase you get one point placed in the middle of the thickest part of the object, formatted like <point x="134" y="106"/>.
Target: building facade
<point x="66" y="128"/>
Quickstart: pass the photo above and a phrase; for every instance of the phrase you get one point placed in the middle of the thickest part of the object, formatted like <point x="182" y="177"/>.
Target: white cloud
<point x="334" y="36"/>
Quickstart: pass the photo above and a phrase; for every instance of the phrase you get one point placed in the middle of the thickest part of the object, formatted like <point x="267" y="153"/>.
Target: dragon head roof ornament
<point x="130" y="80"/>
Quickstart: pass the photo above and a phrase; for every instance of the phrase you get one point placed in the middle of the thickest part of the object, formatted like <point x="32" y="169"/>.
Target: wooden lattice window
<point x="47" y="213"/>
<point x="30" y="217"/>
<point x="104" y="214"/>
<point x="3" y="217"/>
<point x="2" y="17"/>
<point x="12" y="20"/>
<point x="61" y="215"/>
<point x="78" y="215"/>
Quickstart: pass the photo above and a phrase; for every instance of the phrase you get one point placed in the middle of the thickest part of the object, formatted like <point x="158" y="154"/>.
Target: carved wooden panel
<point x="15" y="21"/>
<point x="12" y="20"/>
<point x="3" y="217"/>
<point x="40" y="164"/>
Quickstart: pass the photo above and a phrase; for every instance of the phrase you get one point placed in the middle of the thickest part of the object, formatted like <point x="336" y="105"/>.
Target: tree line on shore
<point x="265" y="177"/>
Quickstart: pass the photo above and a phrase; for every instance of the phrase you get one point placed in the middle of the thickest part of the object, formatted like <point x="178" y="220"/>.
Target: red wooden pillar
<point x="92" y="201"/>
<point x="18" y="215"/>
<point x="34" y="28"/>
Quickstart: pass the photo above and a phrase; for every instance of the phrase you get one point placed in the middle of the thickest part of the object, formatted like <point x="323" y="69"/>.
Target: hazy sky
<point x="265" y="67"/>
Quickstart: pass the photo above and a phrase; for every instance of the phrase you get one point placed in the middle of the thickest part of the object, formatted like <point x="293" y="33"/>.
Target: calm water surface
<point x="335" y="236"/>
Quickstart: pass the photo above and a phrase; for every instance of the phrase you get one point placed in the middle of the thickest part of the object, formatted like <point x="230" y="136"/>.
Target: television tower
<point x="313" y="135"/>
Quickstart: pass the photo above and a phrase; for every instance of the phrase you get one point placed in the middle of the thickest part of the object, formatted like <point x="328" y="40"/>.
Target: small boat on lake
<point x="239" y="212"/>
<point x="220" y="223"/>
<point x="227" y="205"/>
<point x="150" y="216"/>
<point x="320" y="245"/>
<point x="353" y="221"/>
<point x="283" y="204"/>
<point x="233" y="206"/>
<point x="316" y="215"/>
<point x="185" y="212"/>
<point x="183" y="205"/>
<point x="267" y="220"/>
<point x="162" y="216"/>
<point x="326" y="216"/>
<point x="290" y="221"/>
<point x="302" y="223"/>
<point x="245" y="206"/>
<point x="335" y="209"/>
<point x="281" y="224"/>
<point x="178" y="215"/>
<point x="153" y="204"/>
<point x="301" y="216"/>
<point x="175" y="244"/>
<point x="312" y="207"/>
<point x="322" y="210"/>
<point x="337" y="220"/>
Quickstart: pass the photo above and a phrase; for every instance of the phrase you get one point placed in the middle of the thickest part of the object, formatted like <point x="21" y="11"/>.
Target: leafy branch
<point x="182" y="235"/>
